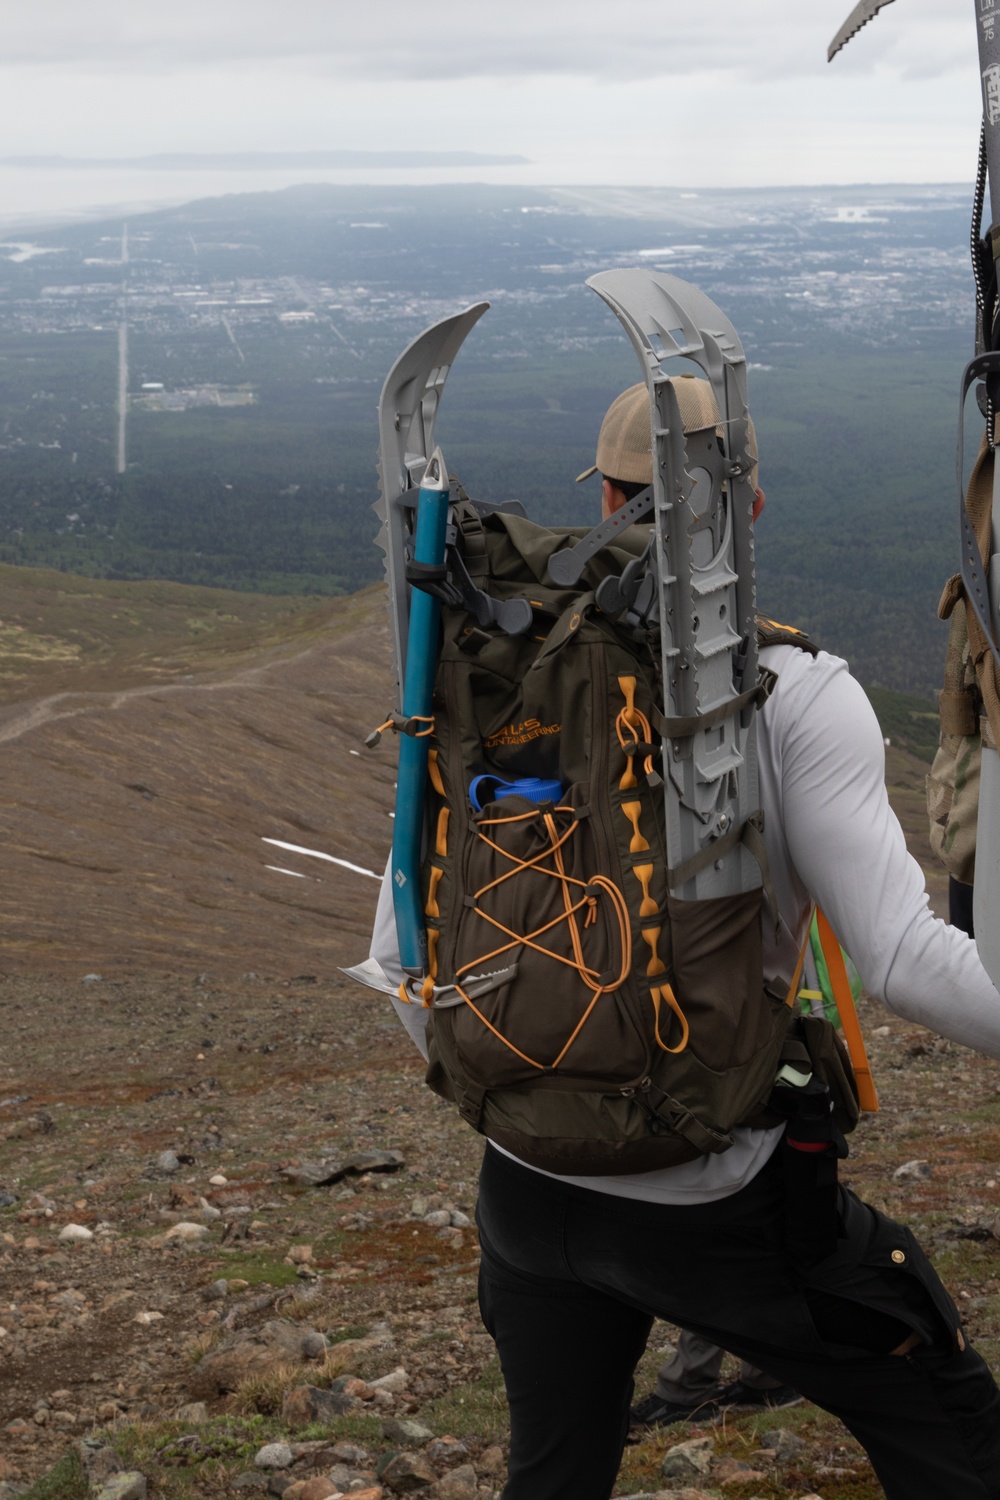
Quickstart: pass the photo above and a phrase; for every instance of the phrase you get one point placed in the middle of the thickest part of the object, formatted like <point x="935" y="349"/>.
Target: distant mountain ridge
<point x="255" y="161"/>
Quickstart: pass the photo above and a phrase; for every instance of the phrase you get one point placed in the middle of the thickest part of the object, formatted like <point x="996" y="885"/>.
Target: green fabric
<point x="829" y="1004"/>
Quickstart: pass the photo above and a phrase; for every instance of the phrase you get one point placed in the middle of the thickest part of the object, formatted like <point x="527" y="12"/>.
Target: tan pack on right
<point x="953" y="780"/>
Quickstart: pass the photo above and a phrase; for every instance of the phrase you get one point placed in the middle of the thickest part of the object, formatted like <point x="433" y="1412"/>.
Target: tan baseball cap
<point x="623" y="445"/>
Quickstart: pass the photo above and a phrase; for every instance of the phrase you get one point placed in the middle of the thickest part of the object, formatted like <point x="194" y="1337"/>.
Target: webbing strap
<point x="683" y="727"/>
<point x="473" y="532"/>
<point x="793" y="988"/>
<point x="564" y="629"/>
<point x="837" y="970"/>
<point x="751" y="835"/>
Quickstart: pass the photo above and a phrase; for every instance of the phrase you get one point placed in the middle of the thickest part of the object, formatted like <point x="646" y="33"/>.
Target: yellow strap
<point x="837" y="971"/>
<point x="793" y="988"/>
<point x="663" y="993"/>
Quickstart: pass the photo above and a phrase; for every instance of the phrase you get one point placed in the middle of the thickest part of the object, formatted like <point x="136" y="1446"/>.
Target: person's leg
<point x="960" y="906"/>
<point x="567" y="1352"/>
<point x="757" y="1380"/>
<point x="567" y="1355"/>
<point x="930" y="1421"/>
<point x="691" y="1371"/>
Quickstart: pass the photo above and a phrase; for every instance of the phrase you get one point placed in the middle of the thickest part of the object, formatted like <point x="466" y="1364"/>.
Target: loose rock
<point x="275" y="1456"/>
<point x="406" y="1471"/>
<point x="193" y="1411"/>
<point x="130" y="1485"/>
<point x="913" y="1171"/>
<point x="783" y="1442"/>
<point x="350" y="1453"/>
<point x="684" y="1459"/>
<point x="460" y="1484"/>
<point x="405" y="1431"/>
<point x="185" y="1231"/>
<point x="73" y="1233"/>
<point x="307" y="1403"/>
<point x="319" y="1488"/>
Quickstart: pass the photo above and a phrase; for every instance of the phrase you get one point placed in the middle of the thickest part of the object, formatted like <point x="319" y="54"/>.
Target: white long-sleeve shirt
<point x="831" y="838"/>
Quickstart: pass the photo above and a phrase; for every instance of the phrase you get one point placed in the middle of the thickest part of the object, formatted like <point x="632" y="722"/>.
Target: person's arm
<point x="848" y="849"/>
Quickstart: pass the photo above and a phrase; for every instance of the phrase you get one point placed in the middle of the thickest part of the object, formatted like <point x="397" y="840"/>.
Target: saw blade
<point x="407" y="411"/>
<point x="862" y="13"/>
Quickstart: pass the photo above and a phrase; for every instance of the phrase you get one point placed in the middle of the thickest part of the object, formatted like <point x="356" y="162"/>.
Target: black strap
<point x="421" y="574"/>
<point x="751" y="835"/>
<point x="973" y="576"/>
<point x="470" y="1104"/>
<point x="683" y="727"/>
<point x="666" y="1113"/>
<point x="566" y="567"/>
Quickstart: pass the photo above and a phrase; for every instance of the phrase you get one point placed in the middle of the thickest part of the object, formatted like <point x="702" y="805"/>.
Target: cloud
<point x="445" y="40"/>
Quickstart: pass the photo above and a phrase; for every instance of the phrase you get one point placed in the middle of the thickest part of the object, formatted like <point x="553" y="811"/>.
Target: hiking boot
<point x="739" y="1395"/>
<point x="655" y="1411"/>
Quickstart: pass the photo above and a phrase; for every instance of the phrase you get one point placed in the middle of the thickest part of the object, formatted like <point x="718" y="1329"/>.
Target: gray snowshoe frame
<point x="693" y="586"/>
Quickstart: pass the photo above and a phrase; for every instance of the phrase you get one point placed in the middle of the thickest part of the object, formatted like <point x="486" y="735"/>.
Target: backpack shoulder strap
<point x="770" y="633"/>
<point x="848" y="1013"/>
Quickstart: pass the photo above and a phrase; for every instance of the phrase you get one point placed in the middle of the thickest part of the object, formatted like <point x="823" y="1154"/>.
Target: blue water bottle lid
<point x="533" y="788"/>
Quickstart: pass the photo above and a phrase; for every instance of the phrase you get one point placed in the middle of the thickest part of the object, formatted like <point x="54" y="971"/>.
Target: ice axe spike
<point x="863" y="12"/>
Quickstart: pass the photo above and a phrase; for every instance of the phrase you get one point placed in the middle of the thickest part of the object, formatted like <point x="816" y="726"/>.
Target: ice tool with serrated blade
<point x="422" y="568"/>
<point x="407" y="414"/>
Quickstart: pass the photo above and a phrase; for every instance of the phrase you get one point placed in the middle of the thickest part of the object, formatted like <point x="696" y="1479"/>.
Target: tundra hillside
<point x="237" y="1250"/>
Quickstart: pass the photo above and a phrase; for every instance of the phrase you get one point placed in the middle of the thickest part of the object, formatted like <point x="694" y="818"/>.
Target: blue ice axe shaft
<point x="418" y="688"/>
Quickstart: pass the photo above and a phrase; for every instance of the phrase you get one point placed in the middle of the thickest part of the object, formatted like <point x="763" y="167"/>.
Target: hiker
<point x="575" y="1268"/>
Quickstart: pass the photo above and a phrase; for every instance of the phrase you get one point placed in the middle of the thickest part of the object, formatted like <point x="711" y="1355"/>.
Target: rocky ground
<point x="236" y="1239"/>
<point x="236" y="1250"/>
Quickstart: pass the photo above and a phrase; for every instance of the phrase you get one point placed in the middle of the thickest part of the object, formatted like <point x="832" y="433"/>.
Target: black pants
<point x="571" y="1280"/>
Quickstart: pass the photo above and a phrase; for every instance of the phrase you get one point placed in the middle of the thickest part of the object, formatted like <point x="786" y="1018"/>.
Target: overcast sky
<point x="684" y="92"/>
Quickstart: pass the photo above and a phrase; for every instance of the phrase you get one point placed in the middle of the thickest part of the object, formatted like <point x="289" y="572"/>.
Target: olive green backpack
<point x="581" y="1015"/>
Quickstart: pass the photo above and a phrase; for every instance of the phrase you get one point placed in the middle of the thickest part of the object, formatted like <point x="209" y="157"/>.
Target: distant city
<point x="194" y="390"/>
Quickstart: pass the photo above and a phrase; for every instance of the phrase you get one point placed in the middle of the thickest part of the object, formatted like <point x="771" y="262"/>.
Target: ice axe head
<point x="863" y="12"/>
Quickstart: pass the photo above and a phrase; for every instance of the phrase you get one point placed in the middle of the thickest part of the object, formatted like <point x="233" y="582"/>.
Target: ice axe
<point x="863" y="12"/>
<point x="416" y="721"/>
